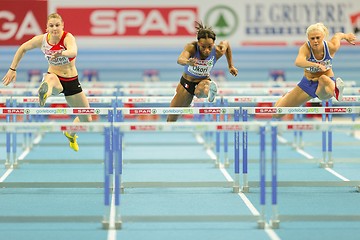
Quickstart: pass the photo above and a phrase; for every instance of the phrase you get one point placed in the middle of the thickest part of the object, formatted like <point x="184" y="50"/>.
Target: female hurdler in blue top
<point x="315" y="56"/>
<point x="198" y="58"/>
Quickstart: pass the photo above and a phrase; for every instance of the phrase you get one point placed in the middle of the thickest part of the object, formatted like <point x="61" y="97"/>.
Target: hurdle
<point x="307" y="126"/>
<point x="170" y="84"/>
<point x="141" y="91"/>
<point x="327" y="160"/>
<point x="113" y="161"/>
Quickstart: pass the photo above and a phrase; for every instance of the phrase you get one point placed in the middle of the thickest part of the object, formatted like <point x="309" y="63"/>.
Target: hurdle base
<point x="16" y="165"/>
<point x="245" y="189"/>
<point x="105" y="224"/>
<point x="118" y="224"/>
<point x="323" y="165"/>
<point x="358" y="188"/>
<point x="236" y="189"/>
<point x="275" y="223"/>
<point x="7" y="165"/>
<point x="326" y="164"/>
<point x="261" y="224"/>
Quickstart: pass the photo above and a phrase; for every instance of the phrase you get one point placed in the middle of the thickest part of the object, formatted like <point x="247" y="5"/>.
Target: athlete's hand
<point x="350" y="38"/>
<point x="233" y="70"/>
<point x="9" y="77"/>
<point x="192" y="62"/>
<point x="56" y="54"/>
<point x="321" y="67"/>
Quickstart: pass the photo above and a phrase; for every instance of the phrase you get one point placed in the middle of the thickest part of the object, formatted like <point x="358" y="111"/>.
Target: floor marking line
<point x="305" y="154"/>
<point x="6" y="174"/>
<point x="337" y="174"/>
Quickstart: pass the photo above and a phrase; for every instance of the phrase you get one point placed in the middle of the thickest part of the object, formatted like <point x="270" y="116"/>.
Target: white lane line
<point x="6" y="174"/>
<point x="305" y="154"/>
<point x="337" y="174"/>
<point x="269" y="231"/>
<point x="21" y="157"/>
<point x="112" y="217"/>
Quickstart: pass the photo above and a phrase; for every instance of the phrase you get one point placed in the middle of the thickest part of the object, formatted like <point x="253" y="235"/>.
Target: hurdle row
<point x="113" y="151"/>
<point x="169" y="84"/>
<point x="164" y="99"/>
<point x="199" y="127"/>
<point x="148" y="127"/>
<point x="327" y="160"/>
<point x="165" y="91"/>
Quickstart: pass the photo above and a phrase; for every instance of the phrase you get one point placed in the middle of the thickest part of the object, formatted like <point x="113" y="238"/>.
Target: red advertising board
<point x="20" y="20"/>
<point x="130" y="21"/>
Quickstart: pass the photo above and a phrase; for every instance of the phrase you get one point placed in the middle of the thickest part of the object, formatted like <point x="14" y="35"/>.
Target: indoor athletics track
<point x="68" y="202"/>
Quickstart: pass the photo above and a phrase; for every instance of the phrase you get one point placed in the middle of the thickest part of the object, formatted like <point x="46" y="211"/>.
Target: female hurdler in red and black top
<point x="60" y="50"/>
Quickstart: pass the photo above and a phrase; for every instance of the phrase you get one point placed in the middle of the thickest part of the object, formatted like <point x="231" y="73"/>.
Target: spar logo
<point x="223" y="20"/>
<point x="74" y="128"/>
<point x="131" y="21"/>
<point x="86" y="111"/>
<point x="300" y="127"/>
<point x="212" y="110"/>
<point x="267" y="110"/>
<point x="243" y="99"/>
<point x="338" y="110"/>
<point x="229" y="128"/>
<point x="14" y="111"/>
<point x="350" y="99"/>
<point x="141" y="111"/>
<point x="143" y="128"/>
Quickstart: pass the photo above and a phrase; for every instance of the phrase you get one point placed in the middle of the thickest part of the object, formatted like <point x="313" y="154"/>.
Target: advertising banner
<point x="20" y="20"/>
<point x="156" y="23"/>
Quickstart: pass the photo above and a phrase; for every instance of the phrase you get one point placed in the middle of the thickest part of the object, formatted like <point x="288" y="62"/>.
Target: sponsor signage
<point x="19" y="24"/>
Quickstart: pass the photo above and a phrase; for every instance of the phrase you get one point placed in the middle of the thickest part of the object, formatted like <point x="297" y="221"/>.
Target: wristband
<point x="13" y="69"/>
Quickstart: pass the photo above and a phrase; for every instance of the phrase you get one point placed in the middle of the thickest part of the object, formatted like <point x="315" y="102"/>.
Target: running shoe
<point x="42" y="93"/>
<point x="212" y="91"/>
<point x="72" y="141"/>
<point x="339" y="89"/>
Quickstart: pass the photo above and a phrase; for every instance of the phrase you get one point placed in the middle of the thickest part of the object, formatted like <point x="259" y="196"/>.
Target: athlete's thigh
<point x="296" y="97"/>
<point x="77" y="100"/>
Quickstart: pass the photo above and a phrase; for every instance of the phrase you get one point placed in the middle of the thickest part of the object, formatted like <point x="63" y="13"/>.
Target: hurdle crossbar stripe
<point x="131" y="218"/>
<point x="51" y="184"/>
<point x="131" y="84"/>
<point x="183" y="184"/>
<point x="179" y="110"/>
<point x="315" y="126"/>
<point x="320" y="218"/>
<point x="54" y="111"/>
<point x="301" y="110"/>
<point x="166" y="99"/>
<point x="104" y="111"/>
<point x="130" y="127"/>
<point x="22" y="127"/>
<point x="308" y="183"/>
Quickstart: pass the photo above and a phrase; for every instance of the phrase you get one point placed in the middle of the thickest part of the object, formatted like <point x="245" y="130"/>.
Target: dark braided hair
<point x="204" y="31"/>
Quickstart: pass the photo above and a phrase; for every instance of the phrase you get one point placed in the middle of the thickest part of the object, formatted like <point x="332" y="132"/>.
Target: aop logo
<point x="222" y="19"/>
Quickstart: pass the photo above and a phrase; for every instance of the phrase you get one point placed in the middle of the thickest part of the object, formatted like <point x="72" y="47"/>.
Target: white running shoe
<point x="339" y="89"/>
<point x="212" y="91"/>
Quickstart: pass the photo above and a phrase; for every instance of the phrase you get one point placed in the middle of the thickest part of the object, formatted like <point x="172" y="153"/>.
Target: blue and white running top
<point x="326" y="61"/>
<point x="203" y="67"/>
